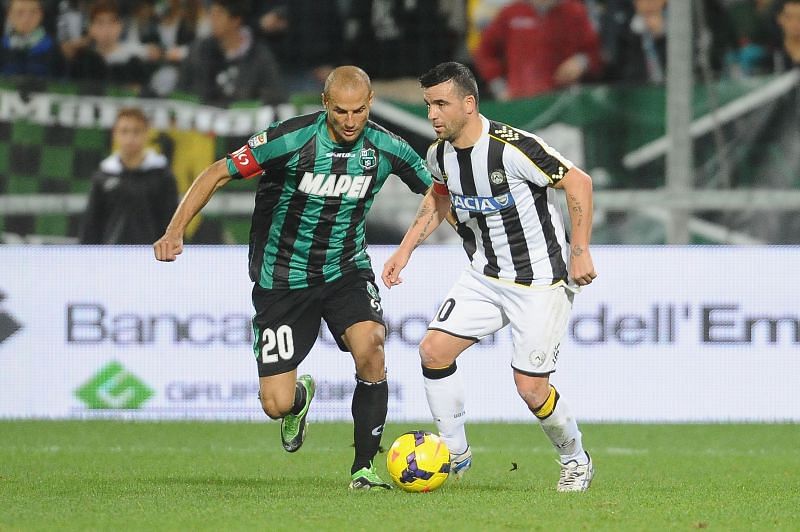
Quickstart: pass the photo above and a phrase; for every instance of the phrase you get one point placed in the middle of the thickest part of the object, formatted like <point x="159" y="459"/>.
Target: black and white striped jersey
<point x="508" y="217"/>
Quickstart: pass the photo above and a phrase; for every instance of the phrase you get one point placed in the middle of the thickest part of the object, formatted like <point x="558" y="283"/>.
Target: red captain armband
<point x="245" y="162"/>
<point x="440" y="189"/>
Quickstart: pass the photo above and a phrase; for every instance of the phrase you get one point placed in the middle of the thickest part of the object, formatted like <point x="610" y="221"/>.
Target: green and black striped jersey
<point x="310" y="211"/>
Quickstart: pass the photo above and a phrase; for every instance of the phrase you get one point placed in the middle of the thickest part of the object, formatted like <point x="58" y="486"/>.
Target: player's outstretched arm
<point x="432" y="210"/>
<point x="578" y="187"/>
<point x="169" y="246"/>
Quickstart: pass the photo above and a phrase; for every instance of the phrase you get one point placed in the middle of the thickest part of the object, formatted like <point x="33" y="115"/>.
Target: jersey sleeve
<point x="411" y="169"/>
<point x="250" y="160"/>
<point x="433" y="164"/>
<point x="538" y="162"/>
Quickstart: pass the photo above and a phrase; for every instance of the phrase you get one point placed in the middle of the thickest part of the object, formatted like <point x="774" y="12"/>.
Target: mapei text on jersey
<point x="335" y="185"/>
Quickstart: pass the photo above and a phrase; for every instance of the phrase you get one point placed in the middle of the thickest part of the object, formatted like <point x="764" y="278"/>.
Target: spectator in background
<point x="639" y="44"/>
<point x="395" y="40"/>
<point x="134" y="192"/>
<point x="306" y="36"/>
<point x="105" y="58"/>
<point x="180" y="23"/>
<point x="141" y="24"/>
<point x="231" y="65"/>
<point x="716" y="36"/>
<point x="479" y="14"/>
<point x="635" y="40"/>
<point x="71" y="22"/>
<point x="27" y="49"/>
<point x="535" y="46"/>
<point x="788" y="55"/>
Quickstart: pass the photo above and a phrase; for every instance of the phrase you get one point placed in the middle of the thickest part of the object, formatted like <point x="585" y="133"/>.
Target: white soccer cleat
<point x="575" y="476"/>
<point x="459" y="463"/>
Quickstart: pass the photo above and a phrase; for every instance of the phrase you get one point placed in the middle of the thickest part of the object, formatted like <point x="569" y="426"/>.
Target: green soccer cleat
<point x="293" y="426"/>
<point x="368" y="479"/>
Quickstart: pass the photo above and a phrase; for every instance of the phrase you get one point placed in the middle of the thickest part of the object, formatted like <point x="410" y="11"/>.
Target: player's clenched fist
<point x="167" y="248"/>
<point x="392" y="268"/>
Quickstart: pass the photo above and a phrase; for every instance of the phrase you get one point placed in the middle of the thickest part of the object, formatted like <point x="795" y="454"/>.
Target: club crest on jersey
<point x="373" y="292"/>
<point x="482" y="204"/>
<point x="497" y="176"/>
<point x="257" y="140"/>
<point x="368" y="158"/>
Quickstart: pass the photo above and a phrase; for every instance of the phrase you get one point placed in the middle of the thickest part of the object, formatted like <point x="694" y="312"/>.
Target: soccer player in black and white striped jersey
<point x="497" y="184"/>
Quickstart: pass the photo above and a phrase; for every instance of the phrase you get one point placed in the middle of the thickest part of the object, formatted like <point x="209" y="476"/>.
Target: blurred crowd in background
<point x="221" y="51"/>
<point x="242" y="53"/>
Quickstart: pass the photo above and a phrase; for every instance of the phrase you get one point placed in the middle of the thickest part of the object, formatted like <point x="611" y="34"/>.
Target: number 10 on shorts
<point x="277" y="343"/>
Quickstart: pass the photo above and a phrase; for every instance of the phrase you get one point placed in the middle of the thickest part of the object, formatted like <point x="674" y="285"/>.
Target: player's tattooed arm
<point x="578" y="188"/>
<point x="432" y="210"/>
<point x="423" y="222"/>
<point x="576" y="209"/>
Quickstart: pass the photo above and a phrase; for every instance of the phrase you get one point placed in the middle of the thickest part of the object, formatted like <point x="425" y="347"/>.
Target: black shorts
<point x="286" y="323"/>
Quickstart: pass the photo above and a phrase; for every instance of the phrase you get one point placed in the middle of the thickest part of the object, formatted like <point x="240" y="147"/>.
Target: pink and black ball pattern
<point x="412" y="471"/>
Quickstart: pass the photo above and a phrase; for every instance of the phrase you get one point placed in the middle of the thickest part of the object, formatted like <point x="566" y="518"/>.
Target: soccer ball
<point x="418" y="461"/>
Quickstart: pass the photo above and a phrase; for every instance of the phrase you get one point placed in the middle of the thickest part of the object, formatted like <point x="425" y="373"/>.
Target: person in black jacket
<point x="104" y="58"/>
<point x="306" y="37"/>
<point x="134" y="192"/>
<point x="231" y="65"/>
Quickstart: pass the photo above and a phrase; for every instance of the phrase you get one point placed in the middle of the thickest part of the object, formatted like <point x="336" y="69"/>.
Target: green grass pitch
<point x="103" y="475"/>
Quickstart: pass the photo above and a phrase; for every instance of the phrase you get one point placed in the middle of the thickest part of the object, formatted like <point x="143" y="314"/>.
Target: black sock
<point x="370" y="403"/>
<point x="299" y="398"/>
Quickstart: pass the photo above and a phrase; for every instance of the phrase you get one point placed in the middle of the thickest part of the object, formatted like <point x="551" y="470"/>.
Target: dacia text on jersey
<point x="482" y="204"/>
<point x="335" y="185"/>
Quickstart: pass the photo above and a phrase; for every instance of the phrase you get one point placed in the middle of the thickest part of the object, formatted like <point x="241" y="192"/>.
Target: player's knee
<point x="275" y="408"/>
<point x="430" y="356"/>
<point x="372" y="367"/>
<point x="369" y="353"/>
<point x="374" y="340"/>
<point x="534" y="391"/>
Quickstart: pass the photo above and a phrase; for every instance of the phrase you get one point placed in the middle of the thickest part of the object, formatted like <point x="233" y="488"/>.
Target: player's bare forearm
<point x="204" y="186"/>
<point x="199" y="193"/>
<point x="577" y="186"/>
<point x="451" y="219"/>
<point x="432" y="210"/>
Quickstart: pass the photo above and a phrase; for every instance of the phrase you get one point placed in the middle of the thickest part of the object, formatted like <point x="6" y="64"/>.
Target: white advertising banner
<point x="665" y="334"/>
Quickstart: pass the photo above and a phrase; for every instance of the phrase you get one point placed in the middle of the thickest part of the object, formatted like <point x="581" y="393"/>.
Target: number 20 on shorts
<point x="276" y="343"/>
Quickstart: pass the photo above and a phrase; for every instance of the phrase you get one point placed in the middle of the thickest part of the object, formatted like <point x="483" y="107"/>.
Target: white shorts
<point x="478" y="306"/>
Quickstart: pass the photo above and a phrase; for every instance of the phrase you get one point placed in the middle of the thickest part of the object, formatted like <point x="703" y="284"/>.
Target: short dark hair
<point x="101" y="7"/>
<point x="235" y="8"/>
<point x="462" y="77"/>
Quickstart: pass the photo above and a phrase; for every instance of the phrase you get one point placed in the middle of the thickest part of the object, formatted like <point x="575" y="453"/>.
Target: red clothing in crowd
<point x="526" y="46"/>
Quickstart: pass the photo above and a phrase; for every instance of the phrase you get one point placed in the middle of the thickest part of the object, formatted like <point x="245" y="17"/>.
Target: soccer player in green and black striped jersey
<point x="318" y="177"/>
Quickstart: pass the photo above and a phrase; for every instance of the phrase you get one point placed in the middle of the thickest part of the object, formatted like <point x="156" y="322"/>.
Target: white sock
<point x="446" y="402"/>
<point x="562" y="429"/>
